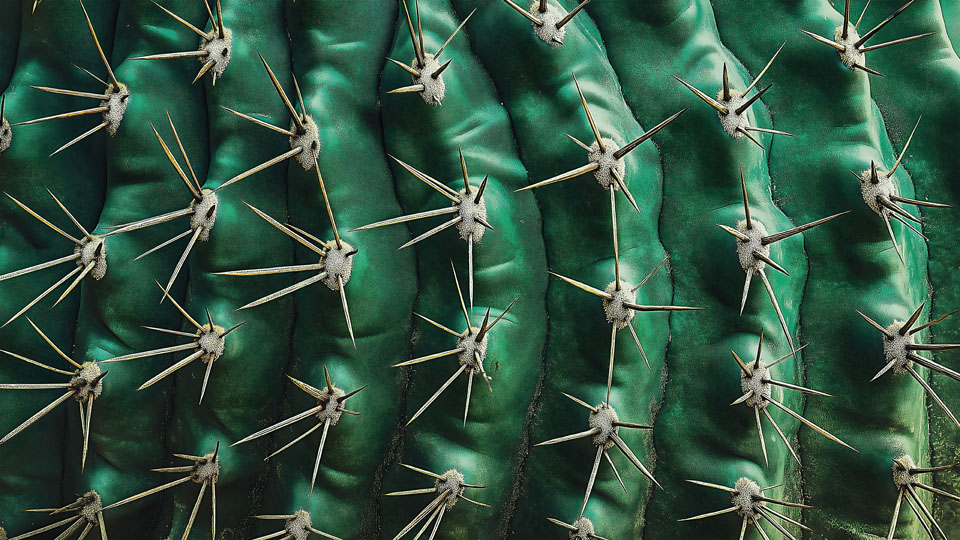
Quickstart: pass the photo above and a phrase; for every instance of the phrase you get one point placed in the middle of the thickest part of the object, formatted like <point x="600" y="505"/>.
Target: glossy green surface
<point x="510" y="98"/>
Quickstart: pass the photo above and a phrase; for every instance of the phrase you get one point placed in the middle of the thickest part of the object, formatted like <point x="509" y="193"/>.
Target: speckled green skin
<point x="509" y="101"/>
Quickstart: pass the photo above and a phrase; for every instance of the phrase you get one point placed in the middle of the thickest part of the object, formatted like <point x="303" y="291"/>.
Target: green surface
<point x="510" y="98"/>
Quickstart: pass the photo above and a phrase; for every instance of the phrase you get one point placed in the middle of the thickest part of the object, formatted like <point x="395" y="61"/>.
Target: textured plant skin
<point x="509" y="100"/>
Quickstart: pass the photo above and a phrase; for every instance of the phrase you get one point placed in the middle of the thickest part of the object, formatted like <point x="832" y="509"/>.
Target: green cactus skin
<point x="930" y="166"/>
<point x="509" y="100"/>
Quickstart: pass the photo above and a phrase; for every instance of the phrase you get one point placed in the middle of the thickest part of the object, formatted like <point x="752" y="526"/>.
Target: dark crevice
<point x="247" y="523"/>
<point x="395" y="449"/>
<point x="523" y="452"/>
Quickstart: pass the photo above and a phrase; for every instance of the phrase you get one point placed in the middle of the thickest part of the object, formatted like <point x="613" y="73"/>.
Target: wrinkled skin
<point x="509" y="100"/>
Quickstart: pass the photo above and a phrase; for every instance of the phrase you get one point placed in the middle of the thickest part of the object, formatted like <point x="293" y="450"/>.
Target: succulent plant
<point x="248" y="356"/>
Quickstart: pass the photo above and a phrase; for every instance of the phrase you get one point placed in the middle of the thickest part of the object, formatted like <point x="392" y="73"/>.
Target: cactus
<point x="281" y="349"/>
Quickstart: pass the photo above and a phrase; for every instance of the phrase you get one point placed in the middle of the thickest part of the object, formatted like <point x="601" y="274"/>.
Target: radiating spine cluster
<point x="113" y="101"/>
<point x="448" y="487"/>
<point x="851" y="47"/>
<point x="329" y="409"/>
<point x="207" y="344"/>
<point x="757" y="384"/>
<point x="89" y="255"/>
<point x="471" y="352"/>
<point x="216" y="46"/>
<point x="905" y="473"/>
<point x="753" y="252"/>
<point x="85" y="386"/>
<point x="732" y="106"/>
<point x="426" y="69"/>
<point x="750" y="503"/>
